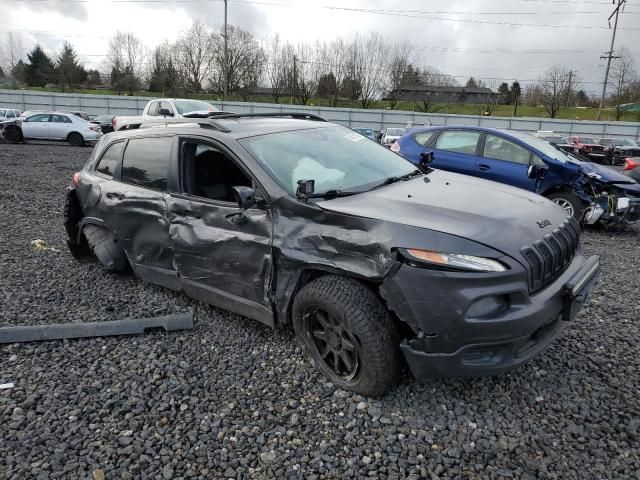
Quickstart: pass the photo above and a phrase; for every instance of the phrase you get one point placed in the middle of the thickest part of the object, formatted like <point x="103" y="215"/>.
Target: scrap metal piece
<point x="36" y="333"/>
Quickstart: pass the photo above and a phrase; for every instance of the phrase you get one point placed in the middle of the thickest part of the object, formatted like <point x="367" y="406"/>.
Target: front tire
<point x="569" y="202"/>
<point x="75" y="139"/>
<point x="348" y="334"/>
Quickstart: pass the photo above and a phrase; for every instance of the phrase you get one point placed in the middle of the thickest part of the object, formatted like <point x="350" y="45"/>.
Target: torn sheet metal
<point x="37" y="333"/>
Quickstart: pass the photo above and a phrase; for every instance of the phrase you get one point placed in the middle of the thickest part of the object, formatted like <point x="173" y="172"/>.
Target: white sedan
<point x="60" y="126"/>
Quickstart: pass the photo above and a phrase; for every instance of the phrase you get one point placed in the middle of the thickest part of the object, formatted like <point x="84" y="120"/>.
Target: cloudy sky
<point x="492" y="39"/>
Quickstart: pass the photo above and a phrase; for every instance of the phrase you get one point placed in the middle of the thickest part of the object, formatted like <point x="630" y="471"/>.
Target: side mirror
<point x="245" y="196"/>
<point x="425" y="159"/>
<point x="535" y="171"/>
<point x="165" y="112"/>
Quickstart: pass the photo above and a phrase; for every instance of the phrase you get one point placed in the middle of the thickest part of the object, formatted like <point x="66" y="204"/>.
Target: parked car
<point x="9" y="113"/>
<point x="390" y="135"/>
<point x="367" y="132"/>
<point x="82" y="115"/>
<point x="589" y="148"/>
<point x="617" y="149"/>
<point x="28" y="113"/>
<point x="105" y="122"/>
<point x="166" y="108"/>
<point x="559" y="142"/>
<point x="59" y="126"/>
<point x="632" y="167"/>
<point x="297" y="222"/>
<point x="589" y="192"/>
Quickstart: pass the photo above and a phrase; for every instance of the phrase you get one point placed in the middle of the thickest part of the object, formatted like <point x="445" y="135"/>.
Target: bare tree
<point x="399" y="61"/>
<point x="367" y="59"/>
<point x="309" y="69"/>
<point x="11" y="52"/>
<point x="427" y="77"/>
<point x="554" y="84"/>
<point x="277" y="67"/>
<point x="126" y="59"/>
<point x="622" y="74"/>
<point x="336" y="56"/>
<point x="194" y="54"/>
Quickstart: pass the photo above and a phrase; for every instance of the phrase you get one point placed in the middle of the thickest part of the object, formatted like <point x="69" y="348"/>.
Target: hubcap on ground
<point x="334" y="345"/>
<point x="566" y="204"/>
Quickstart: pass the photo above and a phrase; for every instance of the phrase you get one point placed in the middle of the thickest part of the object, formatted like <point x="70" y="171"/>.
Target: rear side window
<point x="61" y="119"/>
<point x="110" y="158"/>
<point x="146" y="162"/>
<point x="458" y="141"/>
<point x="422" y="138"/>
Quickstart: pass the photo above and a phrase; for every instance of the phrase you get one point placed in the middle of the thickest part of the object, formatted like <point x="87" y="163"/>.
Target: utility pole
<point x="226" y="56"/>
<point x="567" y="100"/>
<point x="609" y="55"/>
<point x="295" y="80"/>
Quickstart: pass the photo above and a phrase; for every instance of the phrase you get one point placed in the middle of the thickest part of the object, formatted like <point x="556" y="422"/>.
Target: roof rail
<point x="294" y="115"/>
<point x="202" y="122"/>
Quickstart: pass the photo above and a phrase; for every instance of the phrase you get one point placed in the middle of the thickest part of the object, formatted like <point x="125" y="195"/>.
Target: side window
<point x="458" y="141"/>
<point x="500" y="148"/>
<point x="61" y="119"/>
<point x="41" y="118"/>
<point x="538" y="161"/>
<point x="209" y="172"/>
<point x="167" y="106"/>
<point x="110" y="158"/>
<point x="422" y="138"/>
<point x="11" y="114"/>
<point x="153" y="109"/>
<point x="146" y="162"/>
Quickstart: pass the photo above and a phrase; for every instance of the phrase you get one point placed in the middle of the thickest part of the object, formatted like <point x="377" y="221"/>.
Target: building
<point x="432" y="94"/>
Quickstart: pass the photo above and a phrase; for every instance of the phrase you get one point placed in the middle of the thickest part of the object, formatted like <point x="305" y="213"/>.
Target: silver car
<point x="60" y="126"/>
<point x="8" y="113"/>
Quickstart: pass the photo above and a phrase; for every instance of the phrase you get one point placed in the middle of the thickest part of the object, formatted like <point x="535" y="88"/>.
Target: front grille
<point x="549" y="257"/>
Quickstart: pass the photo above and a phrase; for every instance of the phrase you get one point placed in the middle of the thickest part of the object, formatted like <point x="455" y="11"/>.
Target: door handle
<point x="118" y="196"/>
<point x="484" y="167"/>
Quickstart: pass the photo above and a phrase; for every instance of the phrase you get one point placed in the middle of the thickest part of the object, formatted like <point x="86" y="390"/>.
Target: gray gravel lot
<point x="234" y="399"/>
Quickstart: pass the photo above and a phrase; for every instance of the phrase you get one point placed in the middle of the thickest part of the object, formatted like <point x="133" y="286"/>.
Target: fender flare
<point x="89" y="221"/>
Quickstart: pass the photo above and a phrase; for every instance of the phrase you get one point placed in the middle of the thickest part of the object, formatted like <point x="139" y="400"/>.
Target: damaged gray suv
<point x="291" y="220"/>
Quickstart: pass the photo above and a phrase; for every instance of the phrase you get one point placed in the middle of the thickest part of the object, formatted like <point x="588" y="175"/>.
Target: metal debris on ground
<point x="42" y="246"/>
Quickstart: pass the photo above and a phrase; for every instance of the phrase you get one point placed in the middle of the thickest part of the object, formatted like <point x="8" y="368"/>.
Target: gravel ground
<point x="234" y="399"/>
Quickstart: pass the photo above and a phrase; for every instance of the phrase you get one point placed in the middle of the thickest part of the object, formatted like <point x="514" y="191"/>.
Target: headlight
<point x="453" y="261"/>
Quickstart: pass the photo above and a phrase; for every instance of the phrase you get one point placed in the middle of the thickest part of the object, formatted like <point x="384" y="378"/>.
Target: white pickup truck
<point x="169" y="107"/>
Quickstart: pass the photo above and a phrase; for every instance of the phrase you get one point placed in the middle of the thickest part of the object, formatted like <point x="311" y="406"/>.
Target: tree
<point x="367" y="57"/>
<point x="622" y="74"/>
<point x="195" y="53"/>
<point x="582" y="98"/>
<point x="68" y="70"/>
<point x="11" y="53"/>
<point x="471" y="83"/>
<point x="277" y="67"/>
<point x="1" y="73"/>
<point x="126" y="59"/>
<point x="554" y="84"/>
<point x="40" y="69"/>
<point x="504" y="94"/>
<point x="164" y="76"/>
<point x="398" y="64"/>
<point x="19" y="72"/>
<point x="516" y="93"/>
<point x="350" y="88"/>
<point x="327" y="85"/>
<point x="93" y="78"/>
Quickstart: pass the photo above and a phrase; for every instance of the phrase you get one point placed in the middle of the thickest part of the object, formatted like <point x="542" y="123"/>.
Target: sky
<point x="498" y="40"/>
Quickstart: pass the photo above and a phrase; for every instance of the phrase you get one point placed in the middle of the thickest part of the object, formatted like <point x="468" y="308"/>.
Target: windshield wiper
<point x="391" y="180"/>
<point x="329" y="194"/>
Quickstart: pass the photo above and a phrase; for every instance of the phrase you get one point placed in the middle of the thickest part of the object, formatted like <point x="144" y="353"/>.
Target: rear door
<point x="135" y="206"/>
<point x="60" y="126"/>
<point x="223" y="254"/>
<point x="455" y="150"/>
<point x="36" y="126"/>
<point x="505" y="161"/>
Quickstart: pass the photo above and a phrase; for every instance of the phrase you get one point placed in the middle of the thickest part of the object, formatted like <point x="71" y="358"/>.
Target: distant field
<point x="451" y="108"/>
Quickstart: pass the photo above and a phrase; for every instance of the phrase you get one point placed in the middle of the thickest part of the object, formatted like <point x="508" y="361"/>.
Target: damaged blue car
<point x="590" y="193"/>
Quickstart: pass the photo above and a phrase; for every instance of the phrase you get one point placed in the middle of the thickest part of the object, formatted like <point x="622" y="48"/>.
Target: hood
<point x="496" y="215"/>
<point x="602" y="173"/>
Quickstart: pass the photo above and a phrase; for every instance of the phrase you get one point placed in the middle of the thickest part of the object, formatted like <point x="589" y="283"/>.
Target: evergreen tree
<point x="327" y="85"/>
<point x="19" y="72"/>
<point x="93" y="77"/>
<point x="40" y="69"/>
<point x="516" y="93"/>
<point x="504" y="94"/>
<point x="1" y="72"/>
<point x="471" y="83"/>
<point x="68" y="70"/>
<point x="164" y="77"/>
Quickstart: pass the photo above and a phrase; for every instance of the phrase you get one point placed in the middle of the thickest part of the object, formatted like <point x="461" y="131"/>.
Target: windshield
<point x="542" y="145"/>
<point x="335" y="157"/>
<point x="396" y="132"/>
<point x="626" y="143"/>
<point x="2" y="112"/>
<point x="186" y="106"/>
<point x="555" y="139"/>
<point x="587" y="140"/>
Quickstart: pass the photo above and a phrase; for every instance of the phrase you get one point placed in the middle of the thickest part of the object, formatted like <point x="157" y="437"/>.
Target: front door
<point x="223" y="254"/>
<point x="505" y="161"/>
<point x="36" y="126"/>
<point x="134" y="205"/>
<point x="455" y="151"/>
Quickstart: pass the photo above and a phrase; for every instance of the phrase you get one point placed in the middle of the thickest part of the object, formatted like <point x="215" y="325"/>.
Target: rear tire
<point x="569" y="202"/>
<point x="75" y="139"/>
<point x="348" y="334"/>
<point x="106" y="248"/>
<point x="72" y="215"/>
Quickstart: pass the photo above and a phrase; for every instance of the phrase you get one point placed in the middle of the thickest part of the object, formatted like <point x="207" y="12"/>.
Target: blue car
<point x="591" y="193"/>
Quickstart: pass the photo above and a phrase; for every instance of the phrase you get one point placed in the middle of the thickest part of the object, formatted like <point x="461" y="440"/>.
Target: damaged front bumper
<point x="448" y="342"/>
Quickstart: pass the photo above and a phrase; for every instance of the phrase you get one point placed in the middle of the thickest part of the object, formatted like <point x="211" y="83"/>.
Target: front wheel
<point x="569" y="202"/>
<point x="348" y="334"/>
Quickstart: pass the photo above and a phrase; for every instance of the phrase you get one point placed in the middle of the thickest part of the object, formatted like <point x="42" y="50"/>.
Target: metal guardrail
<point x="351" y="117"/>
